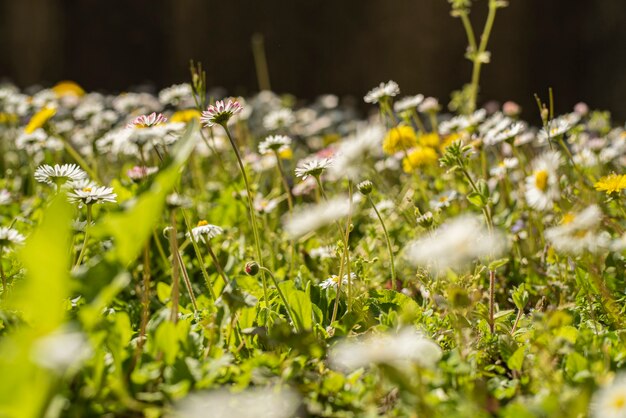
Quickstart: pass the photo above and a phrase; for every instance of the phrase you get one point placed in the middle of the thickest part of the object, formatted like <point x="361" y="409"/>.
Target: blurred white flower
<point x="328" y="251"/>
<point x="333" y="281"/>
<point x="353" y="152"/>
<point x="455" y="245"/>
<point x="610" y="401"/>
<point x="251" y="403"/>
<point x="176" y="94"/>
<point x="5" y="197"/>
<point x="558" y="126"/>
<point x="10" y="237"/>
<point x="61" y="350"/>
<point x="277" y="119"/>
<point x="407" y="346"/>
<point x="313" y="217"/>
<point x="276" y="143"/>
<point x="578" y="233"/>
<point x="408" y="103"/>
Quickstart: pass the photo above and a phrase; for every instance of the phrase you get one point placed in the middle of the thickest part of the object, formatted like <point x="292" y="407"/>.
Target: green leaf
<point x="516" y="360"/>
<point x="496" y="264"/>
<point x="476" y="199"/>
<point x="166" y="340"/>
<point x="301" y="306"/>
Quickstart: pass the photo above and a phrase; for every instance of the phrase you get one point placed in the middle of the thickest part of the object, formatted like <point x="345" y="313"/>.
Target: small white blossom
<point x="388" y="89"/>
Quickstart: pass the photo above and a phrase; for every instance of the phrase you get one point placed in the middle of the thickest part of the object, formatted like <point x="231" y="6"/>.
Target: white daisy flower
<point x="92" y="194"/>
<point x="408" y="103"/>
<point x="312" y="167"/>
<point x="498" y="135"/>
<point x="263" y="205"/>
<point x="455" y="245"/>
<point x="220" y="113"/>
<point x="276" y="143"/>
<point x="333" y="281"/>
<point x="462" y="122"/>
<point x="586" y="158"/>
<point x="314" y="217"/>
<point x="176" y="94"/>
<point x="579" y="233"/>
<point x="5" y="197"/>
<point x="408" y="346"/>
<point x="204" y="231"/>
<point x="442" y="200"/>
<point x="610" y="401"/>
<point x="542" y="186"/>
<point x="558" y="126"/>
<point x="59" y="174"/>
<point x="147" y="121"/>
<point x="257" y="402"/>
<point x="328" y="251"/>
<point x="10" y="237"/>
<point x="137" y="173"/>
<point x="281" y="118"/>
<point x="354" y="151"/>
<point x="429" y="105"/>
<point x="388" y="89"/>
<point x="504" y="167"/>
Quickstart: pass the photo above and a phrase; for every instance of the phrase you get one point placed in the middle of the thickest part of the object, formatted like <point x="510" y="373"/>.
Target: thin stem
<point x="492" y="300"/>
<point x="260" y="61"/>
<point x="284" y="180"/>
<point x="282" y="297"/>
<point x="3" y="275"/>
<point x="477" y="59"/>
<point x="520" y="312"/>
<point x="382" y="223"/>
<point x="218" y="267"/>
<point x="145" y="296"/>
<point x="187" y="281"/>
<point x="255" y="231"/>
<point x="469" y="31"/>
<point x="84" y="247"/>
<point x="175" y="294"/>
<point x="196" y="249"/>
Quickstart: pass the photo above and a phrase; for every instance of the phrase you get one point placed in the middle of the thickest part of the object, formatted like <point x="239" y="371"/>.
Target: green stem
<point x="82" y="250"/>
<point x="3" y="275"/>
<point x="382" y="223"/>
<point x="218" y="266"/>
<point x="255" y="231"/>
<point x="196" y="249"/>
<point x="484" y="39"/>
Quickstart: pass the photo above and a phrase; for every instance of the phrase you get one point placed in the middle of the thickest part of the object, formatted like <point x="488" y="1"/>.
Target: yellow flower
<point x="428" y="140"/>
<point x="39" y="119"/>
<point x="400" y="138"/>
<point x="186" y="116"/>
<point x="68" y="88"/>
<point x="612" y="183"/>
<point x="419" y="157"/>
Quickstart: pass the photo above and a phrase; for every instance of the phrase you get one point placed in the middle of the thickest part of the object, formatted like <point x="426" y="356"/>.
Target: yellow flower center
<point x="568" y="218"/>
<point x="202" y="223"/>
<point x="619" y="402"/>
<point x="541" y="180"/>
<point x="87" y="189"/>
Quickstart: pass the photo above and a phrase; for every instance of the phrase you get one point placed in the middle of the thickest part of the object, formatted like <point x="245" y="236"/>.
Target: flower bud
<point x="365" y="187"/>
<point x="252" y="268"/>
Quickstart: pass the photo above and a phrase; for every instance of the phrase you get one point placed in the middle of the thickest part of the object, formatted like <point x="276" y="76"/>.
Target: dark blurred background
<point x="343" y="46"/>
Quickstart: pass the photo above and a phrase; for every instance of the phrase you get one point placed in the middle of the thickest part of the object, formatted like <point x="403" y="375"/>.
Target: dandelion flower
<point x="10" y="237"/>
<point x="59" y="174"/>
<point x="92" y="194"/>
<point x="185" y="116"/>
<point x="220" y="113"/>
<point x="542" y="186"/>
<point x="68" y="88"/>
<point x="278" y="143"/>
<point x="314" y="167"/>
<point x="39" y="119"/>
<point x="400" y="138"/>
<point x="205" y="231"/>
<point x="407" y="346"/>
<point x="384" y="90"/>
<point x="456" y="244"/>
<point x="610" y="402"/>
<point x="419" y="157"/>
<point x="314" y="217"/>
<point x="613" y="183"/>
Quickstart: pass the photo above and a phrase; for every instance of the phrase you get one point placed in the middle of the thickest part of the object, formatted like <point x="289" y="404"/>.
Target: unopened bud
<point x="252" y="268"/>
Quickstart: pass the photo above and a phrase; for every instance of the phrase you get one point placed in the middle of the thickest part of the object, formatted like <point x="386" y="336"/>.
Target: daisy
<point x="408" y="346"/>
<point x="429" y="105"/>
<point x="220" y="113"/>
<point x="138" y="173"/>
<point x="59" y="174"/>
<point x="175" y="200"/>
<point x="205" y="231"/>
<point x="333" y="281"/>
<point x="557" y="127"/>
<point x="355" y="150"/>
<point x="10" y="237"/>
<point x="313" y="167"/>
<point x="147" y="121"/>
<point x="408" y="103"/>
<point x="443" y="200"/>
<point x="92" y="194"/>
<point x="455" y="245"/>
<point x="504" y="167"/>
<point x="176" y="94"/>
<point x="277" y="119"/>
<point x="384" y="90"/>
<point x="328" y="251"/>
<point x="278" y="143"/>
<point x="578" y="232"/>
<point x="610" y="401"/>
<point x="426" y="220"/>
<point x="314" y="217"/>
<point x="542" y="186"/>
<point x="498" y="135"/>
<point x="263" y="205"/>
